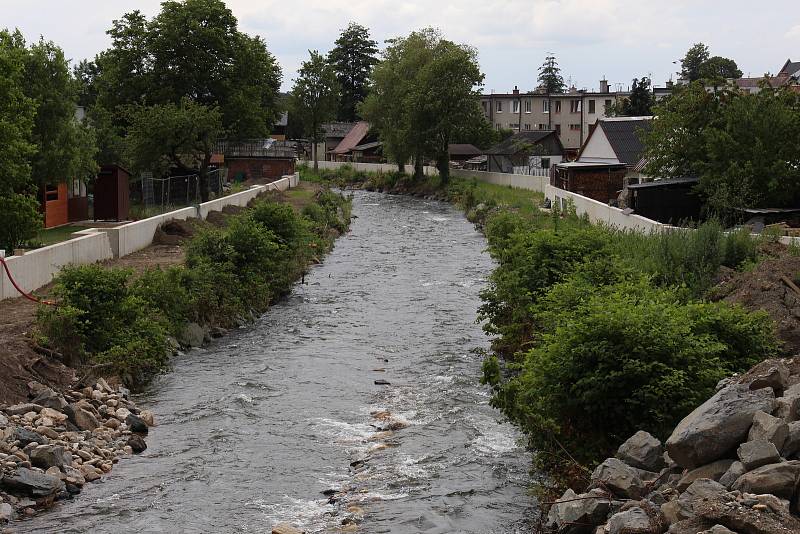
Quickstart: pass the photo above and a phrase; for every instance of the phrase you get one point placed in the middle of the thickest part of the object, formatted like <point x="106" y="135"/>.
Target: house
<point x="788" y="76"/>
<point x="257" y="159"/>
<point x="460" y="153"/>
<point x="111" y="193"/>
<point x="611" y="157"/>
<point x="371" y="152"/>
<point x="571" y="114"/>
<point x="333" y="134"/>
<point x="358" y="135"/>
<point x="532" y="152"/>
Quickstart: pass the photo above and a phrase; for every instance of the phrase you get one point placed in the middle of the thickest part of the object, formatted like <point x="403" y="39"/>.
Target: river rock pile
<point x="729" y="467"/>
<point x="53" y="445"/>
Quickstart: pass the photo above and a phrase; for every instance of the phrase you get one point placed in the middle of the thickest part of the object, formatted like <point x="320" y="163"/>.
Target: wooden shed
<point x="111" y="194"/>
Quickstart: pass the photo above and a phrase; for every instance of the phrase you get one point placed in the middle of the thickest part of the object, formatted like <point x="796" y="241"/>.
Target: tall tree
<point x="353" y="58"/>
<point x="698" y="64"/>
<point x="693" y="61"/>
<point x="191" y="49"/>
<point x="181" y="136"/>
<point x="314" y="98"/>
<point x="19" y="217"/>
<point x="639" y="103"/>
<point x="743" y="147"/>
<point x="550" y="79"/>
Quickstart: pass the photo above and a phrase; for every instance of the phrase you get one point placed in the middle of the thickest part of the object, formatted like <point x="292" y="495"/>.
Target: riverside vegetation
<point x="124" y="325"/>
<point x="596" y="332"/>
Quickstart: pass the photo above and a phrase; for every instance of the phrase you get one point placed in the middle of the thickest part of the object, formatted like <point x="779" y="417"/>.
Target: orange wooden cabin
<point x="64" y="203"/>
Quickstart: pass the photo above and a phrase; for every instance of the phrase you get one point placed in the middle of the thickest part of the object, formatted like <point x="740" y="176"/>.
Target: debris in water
<point x="382" y="382"/>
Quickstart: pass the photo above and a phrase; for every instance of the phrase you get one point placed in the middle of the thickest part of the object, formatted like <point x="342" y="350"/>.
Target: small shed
<point x="54" y="204"/>
<point x="669" y="201"/>
<point x="462" y="152"/>
<point x="111" y="194"/>
<point x="528" y="152"/>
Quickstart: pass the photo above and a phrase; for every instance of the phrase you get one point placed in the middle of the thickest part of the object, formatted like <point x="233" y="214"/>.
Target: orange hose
<point x="20" y="290"/>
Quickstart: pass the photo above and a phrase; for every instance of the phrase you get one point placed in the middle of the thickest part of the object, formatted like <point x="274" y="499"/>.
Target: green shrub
<point x="282" y="220"/>
<point x="164" y="292"/>
<point x="20" y="220"/>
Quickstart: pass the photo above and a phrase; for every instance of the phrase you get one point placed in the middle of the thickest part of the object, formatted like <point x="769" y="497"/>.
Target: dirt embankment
<point x="771" y="286"/>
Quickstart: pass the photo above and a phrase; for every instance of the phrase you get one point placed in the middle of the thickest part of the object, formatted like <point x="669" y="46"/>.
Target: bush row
<point x="124" y="323"/>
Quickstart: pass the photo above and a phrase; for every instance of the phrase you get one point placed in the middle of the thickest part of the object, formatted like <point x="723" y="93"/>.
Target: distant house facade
<point x="788" y="76"/>
<point x="334" y="133"/>
<point x="357" y="136"/>
<point x="529" y="152"/>
<point x="569" y="114"/>
<point x="611" y="158"/>
<point x="256" y="159"/>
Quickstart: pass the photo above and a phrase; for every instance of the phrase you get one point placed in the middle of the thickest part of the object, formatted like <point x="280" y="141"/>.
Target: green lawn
<point x="57" y="235"/>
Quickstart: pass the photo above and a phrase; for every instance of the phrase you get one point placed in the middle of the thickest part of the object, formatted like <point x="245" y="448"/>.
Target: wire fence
<point x="157" y="195"/>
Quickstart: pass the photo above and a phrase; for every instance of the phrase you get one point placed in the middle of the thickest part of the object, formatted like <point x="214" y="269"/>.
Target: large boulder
<point x="792" y="444"/>
<point x="25" y="437"/>
<point x="633" y="519"/>
<point x="47" y="456"/>
<point x="787" y="407"/>
<point x="768" y="428"/>
<point x="717" y="426"/>
<point x="620" y="478"/>
<point x="47" y="398"/>
<point x="683" y="508"/>
<point x="578" y="514"/>
<point x="778" y="479"/>
<point x="81" y="415"/>
<point x="712" y="471"/>
<point x="32" y="483"/>
<point x="754" y="454"/>
<point x="642" y="450"/>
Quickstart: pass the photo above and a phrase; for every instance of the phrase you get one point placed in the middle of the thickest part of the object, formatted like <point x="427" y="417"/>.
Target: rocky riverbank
<point x="732" y="466"/>
<point x="53" y="445"/>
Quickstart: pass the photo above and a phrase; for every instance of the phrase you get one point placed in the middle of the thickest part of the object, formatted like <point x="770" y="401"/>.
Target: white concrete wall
<point x="602" y="213"/>
<point x="37" y="268"/>
<point x="371" y="167"/>
<point x="518" y="181"/>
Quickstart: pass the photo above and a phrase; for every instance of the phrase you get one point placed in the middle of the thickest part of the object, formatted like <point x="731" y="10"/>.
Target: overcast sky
<point x="619" y="39"/>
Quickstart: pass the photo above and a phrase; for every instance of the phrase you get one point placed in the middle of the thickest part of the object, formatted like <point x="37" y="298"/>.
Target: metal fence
<point x="163" y="194"/>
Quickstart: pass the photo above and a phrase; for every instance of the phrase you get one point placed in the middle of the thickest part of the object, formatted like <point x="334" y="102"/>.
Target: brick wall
<point x="597" y="185"/>
<point x="256" y="168"/>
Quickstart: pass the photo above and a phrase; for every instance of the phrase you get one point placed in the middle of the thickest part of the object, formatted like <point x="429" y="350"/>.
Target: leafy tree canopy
<point x="550" y="78"/>
<point x="639" y="103"/>
<point x="698" y="64"/>
<point x="353" y="58"/>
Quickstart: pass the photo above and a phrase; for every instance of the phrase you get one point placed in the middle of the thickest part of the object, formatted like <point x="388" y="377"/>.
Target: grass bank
<point x="597" y="333"/>
<point x="115" y="322"/>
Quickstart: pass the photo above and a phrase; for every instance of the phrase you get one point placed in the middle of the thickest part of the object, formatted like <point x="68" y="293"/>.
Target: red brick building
<point x="257" y="159"/>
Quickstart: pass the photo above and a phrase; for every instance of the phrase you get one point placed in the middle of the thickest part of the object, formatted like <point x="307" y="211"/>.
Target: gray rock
<point x="192" y="335"/>
<point x="620" y="478"/>
<point x="768" y="428"/>
<point x="792" y="444"/>
<point x="137" y="443"/>
<point x="589" y="511"/>
<point x="776" y="377"/>
<point x="778" y="479"/>
<point x="6" y="512"/>
<point x="690" y="526"/>
<point x="136" y="424"/>
<point x="643" y="451"/>
<point x="32" y="483"/>
<point x="718" y="425"/>
<point x="26" y="437"/>
<point x="46" y="456"/>
<point x="21" y="409"/>
<point x="787" y="407"/>
<point x="732" y="474"/>
<point x="631" y="520"/>
<point x="754" y="454"/>
<point x="712" y="471"/>
<point x="3" y="421"/>
<point x="80" y="414"/>
<point x="47" y="398"/>
<point x="700" y="489"/>
<point x="717" y="529"/>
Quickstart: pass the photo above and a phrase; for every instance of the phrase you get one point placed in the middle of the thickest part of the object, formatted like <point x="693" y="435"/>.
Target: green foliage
<point x="640" y="102"/>
<point x="314" y="98"/>
<point x="698" y="65"/>
<point x="20" y="220"/>
<point x="164" y="291"/>
<point x="741" y="146"/>
<point x="550" y="79"/>
<point x="352" y="58"/>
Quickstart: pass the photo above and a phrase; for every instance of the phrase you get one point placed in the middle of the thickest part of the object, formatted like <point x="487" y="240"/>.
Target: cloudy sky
<point x="619" y="39"/>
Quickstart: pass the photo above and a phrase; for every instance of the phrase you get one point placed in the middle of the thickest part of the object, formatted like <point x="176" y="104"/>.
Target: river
<point x="253" y="428"/>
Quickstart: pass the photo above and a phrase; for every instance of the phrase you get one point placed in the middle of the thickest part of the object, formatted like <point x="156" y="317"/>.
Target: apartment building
<point x="570" y="114"/>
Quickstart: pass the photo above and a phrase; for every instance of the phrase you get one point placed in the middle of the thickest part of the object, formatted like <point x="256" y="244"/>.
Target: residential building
<point x="788" y="76"/>
<point x="358" y="135"/>
<point x="570" y="114"/>
<point x="527" y="152"/>
<point x="257" y="159"/>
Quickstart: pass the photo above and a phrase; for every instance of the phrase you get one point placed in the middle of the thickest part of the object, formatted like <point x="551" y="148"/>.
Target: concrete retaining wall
<point x="518" y="181"/>
<point x="602" y="213"/>
<point x="37" y="268"/>
<point x="371" y="167"/>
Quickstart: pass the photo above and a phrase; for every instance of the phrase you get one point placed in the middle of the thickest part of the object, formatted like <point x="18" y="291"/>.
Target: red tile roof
<point x="353" y="138"/>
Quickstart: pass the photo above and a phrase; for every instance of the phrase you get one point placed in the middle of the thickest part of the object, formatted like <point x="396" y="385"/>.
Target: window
<point x="545" y="163"/>
<point x="574" y="106"/>
<point x="575" y="127"/>
<point x="515" y="104"/>
<point x="591" y="106"/>
<point x="527" y="106"/>
<point x="608" y="104"/>
<point x="498" y="126"/>
<point x="527" y="126"/>
<point x="485" y="107"/>
<point x="499" y="106"/>
<point x="545" y="106"/>
<point x="558" y="106"/>
<point x="514" y="126"/>
<point x="558" y="129"/>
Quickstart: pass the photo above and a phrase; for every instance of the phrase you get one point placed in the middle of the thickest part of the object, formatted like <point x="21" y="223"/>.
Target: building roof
<point x="624" y="134"/>
<point x="368" y="146"/>
<point x="337" y="129"/>
<point x="665" y="182"/>
<point x="589" y="165"/>
<point x="511" y="145"/>
<point x="464" y="149"/>
<point x="353" y="138"/>
<point x="790" y="68"/>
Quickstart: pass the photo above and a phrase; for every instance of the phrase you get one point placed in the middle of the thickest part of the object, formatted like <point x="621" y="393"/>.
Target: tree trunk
<point x="314" y="155"/>
<point x="419" y="171"/>
<point x="205" y="186"/>
<point x="443" y="164"/>
<point x="401" y="167"/>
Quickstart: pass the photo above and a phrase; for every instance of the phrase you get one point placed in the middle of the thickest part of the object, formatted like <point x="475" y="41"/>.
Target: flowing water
<point x="253" y="428"/>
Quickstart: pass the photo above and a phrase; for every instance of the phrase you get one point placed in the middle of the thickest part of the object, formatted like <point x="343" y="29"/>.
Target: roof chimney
<point x="516" y="91"/>
<point x="604" y="88"/>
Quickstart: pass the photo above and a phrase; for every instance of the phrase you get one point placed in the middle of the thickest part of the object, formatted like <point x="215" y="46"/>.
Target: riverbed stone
<point x="46" y="456"/>
<point x="136" y="443"/>
<point x="47" y="398"/>
<point x="586" y="509"/>
<point x="620" y="478"/>
<point x="6" y="512"/>
<point x="713" y="471"/>
<point x="80" y="414"/>
<point x="717" y="426"/>
<point x="148" y="417"/>
<point x="633" y="519"/>
<point x="779" y="479"/>
<point x="754" y="454"/>
<point x="769" y="428"/>
<point x="733" y="473"/>
<point x="717" y="529"/>
<point x="642" y="450"/>
<point x="22" y="409"/>
<point x="136" y="424"/>
<point x="32" y="483"/>
<point x="25" y="437"/>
